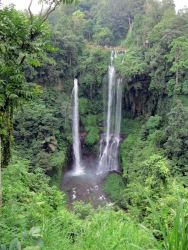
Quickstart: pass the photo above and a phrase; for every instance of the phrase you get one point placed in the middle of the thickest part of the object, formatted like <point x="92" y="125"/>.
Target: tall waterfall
<point x="77" y="168"/>
<point x="109" y="143"/>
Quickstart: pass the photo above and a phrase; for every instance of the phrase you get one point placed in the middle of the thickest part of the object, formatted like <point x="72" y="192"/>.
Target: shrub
<point x="114" y="186"/>
<point x="92" y="137"/>
<point x="153" y="123"/>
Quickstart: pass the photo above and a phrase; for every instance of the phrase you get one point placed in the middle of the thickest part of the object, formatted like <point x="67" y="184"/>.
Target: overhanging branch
<point x="29" y="8"/>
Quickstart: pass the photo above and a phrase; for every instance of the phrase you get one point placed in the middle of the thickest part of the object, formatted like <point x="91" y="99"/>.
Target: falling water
<point x="77" y="168"/>
<point x="109" y="143"/>
<point x="114" y="147"/>
<point x="118" y="107"/>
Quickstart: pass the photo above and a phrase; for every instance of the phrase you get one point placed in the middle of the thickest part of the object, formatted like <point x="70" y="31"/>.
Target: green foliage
<point x="114" y="186"/>
<point x="126" y="146"/>
<point x="157" y="55"/>
<point x="176" y="138"/>
<point x="178" y="52"/>
<point x="178" y="55"/>
<point x="176" y="89"/>
<point x="130" y="128"/>
<point x="33" y="236"/>
<point x="129" y="40"/>
<point x="103" y="36"/>
<point x="90" y="124"/>
<point x="93" y="65"/>
<point x="106" y="21"/>
<point x="147" y="170"/>
<point x="78" y="18"/>
<point x="29" y="201"/>
<point x="152" y="176"/>
<point x="44" y="128"/>
<point x="185" y="87"/>
<point x="175" y="238"/>
<point x="108" y="229"/>
<point x="89" y="121"/>
<point x="26" y="195"/>
<point x="133" y="64"/>
<point x="134" y="71"/>
<point x="88" y="29"/>
<point x="157" y="32"/>
<point x="83" y="210"/>
<point x="153" y="123"/>
<point x="152" y="173"/>
<point x="84" y="106"/>
<point x="92" y="137"/>
<point x="170" y="87"/>
<point x="23" y="38"/>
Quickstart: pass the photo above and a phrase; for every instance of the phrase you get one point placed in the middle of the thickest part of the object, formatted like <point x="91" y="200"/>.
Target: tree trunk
<point x="70" y="62"/>
<point x="176" y="59"/>
<point x="130" y="24"/>
<point x="177" y="75"/>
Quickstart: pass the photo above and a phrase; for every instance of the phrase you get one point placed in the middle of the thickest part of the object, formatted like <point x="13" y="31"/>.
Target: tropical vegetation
<point x="39" y="57"/>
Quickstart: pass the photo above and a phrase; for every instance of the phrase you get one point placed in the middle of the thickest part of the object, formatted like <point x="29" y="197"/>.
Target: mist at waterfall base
<point x="82" y="180"/>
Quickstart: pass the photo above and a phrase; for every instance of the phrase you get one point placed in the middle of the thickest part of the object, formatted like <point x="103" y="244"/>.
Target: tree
<point x="78" y="18"/>
<point x="134" y="64"/>
<point x="151" y="175"/>
<point x="88" y="29"/>
<point x="103" y="37"/>
<point x="113" y="16"/>
<point x="176" y="145"/>
<point x="178" y="55"/>
<point x="23" y="37"/>
<point x="44" y="128"/>
<point x="157" y="32"/>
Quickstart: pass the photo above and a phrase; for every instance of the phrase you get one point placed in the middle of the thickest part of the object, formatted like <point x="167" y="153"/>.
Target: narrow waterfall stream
<point x="77" y="166"/>
<point x="109" y="143"/>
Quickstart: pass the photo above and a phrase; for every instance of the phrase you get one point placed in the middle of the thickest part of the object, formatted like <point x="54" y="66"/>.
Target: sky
<point x="23" y="4"/>
<point x="180" y="4"/>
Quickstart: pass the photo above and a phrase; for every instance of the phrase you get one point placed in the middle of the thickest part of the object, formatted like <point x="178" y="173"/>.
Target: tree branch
<point x="50" y="10"/>
<point x="29" y="8"/>
<point x="22" y="60"/>
<point x="41" y="8"/>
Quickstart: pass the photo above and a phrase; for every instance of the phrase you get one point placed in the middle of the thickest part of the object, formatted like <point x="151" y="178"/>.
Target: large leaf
<point x="14" y="244"/>
<point x="3" y="247"/>
<point x="34" y="230"/>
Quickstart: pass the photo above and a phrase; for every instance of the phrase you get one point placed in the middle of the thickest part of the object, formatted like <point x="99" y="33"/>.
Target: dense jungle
<point x="40" y="55"/>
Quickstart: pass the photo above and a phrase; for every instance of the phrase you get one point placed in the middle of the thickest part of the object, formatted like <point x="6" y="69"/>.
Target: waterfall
<point x="118" y="108"/>
<point x="77" y="168"/>
<point x="109" y="143"/>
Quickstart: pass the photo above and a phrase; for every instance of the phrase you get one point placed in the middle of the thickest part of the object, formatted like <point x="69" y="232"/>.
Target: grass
<point x="103" y="230"/>
<point x="175" y="238"/>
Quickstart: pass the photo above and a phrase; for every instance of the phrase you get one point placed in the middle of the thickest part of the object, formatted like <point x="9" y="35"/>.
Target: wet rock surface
<point x="86" y="188"/>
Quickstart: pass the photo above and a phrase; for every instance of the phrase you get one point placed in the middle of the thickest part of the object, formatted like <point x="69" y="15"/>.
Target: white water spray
<point x="109" y="143"/>
<point x="77" y="168"/>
